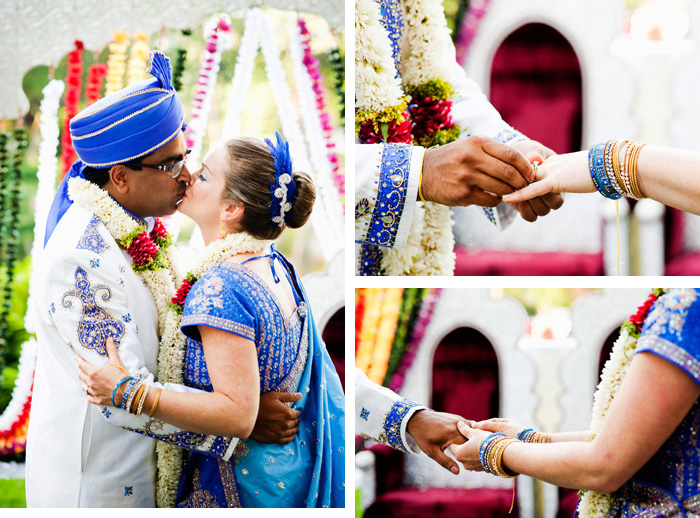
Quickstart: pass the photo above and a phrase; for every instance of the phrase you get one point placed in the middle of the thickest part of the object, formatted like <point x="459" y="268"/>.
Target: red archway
<point x="536" y="86"/>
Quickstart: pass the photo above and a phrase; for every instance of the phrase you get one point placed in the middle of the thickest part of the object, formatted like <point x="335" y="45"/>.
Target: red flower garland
<point x="159" y="230"/>
<point x="396" y="133"/>
<point x="96" y="74"/>
<point x="14" y="439"/>
<point x="429" y="115"/>
<point x="72" y="100"/>
<point x="182" y="292"/>
<point x="643" y="311"/>
<point x="142" y="249"/>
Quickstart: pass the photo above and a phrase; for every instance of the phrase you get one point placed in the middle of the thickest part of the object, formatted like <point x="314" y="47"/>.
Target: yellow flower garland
<point x="384" y="339"/>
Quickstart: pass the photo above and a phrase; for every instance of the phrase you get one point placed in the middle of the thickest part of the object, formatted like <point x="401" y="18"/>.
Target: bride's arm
<point x="653" y="400"/>
<point x="667" y="175"/>
<point x="230" y="410"/>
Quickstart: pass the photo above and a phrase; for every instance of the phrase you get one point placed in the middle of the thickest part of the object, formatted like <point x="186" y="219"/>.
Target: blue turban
<point x="121" y="127"/>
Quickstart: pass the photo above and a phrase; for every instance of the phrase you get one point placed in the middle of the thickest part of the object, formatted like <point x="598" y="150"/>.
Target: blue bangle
<point x="121" y="382"/>
<point x="521" y="435"/>
<point x="599" y="175"/>
<point x="127" y="391"/>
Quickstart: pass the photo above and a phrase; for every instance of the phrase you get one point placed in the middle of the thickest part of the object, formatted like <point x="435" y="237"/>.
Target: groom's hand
<point x="277" y="422"/>
<point x="434" y="432"/>
<point x="473" y="170"/>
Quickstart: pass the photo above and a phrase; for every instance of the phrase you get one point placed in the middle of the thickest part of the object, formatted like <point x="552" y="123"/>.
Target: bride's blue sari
<point x="669" y="484"/>
<point x="309" y="471"/>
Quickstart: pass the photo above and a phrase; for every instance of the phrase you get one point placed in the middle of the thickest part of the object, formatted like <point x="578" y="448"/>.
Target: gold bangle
<point x="142" y="399"/>
<point x="616" y="164"/>
<point x="155" y="403"/>
<point x="133" y="401"/>
<point x="497" y="454"/>
<point x="420" y="178"/>
<point x="633" y="171"/>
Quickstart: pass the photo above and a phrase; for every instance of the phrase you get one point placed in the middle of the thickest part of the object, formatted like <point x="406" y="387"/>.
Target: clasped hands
<point x="478" y="170"/>
<point x="434" y="432"/>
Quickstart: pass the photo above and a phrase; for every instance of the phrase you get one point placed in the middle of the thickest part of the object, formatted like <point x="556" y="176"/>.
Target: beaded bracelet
<point x="614" y="178"/>
<point x="142" y="399"/>
<point x="119" y="384"/>
<point x="127" y="391"/>
<point x="131" y="408"/>
<point x="132" y="396"/>
<point x="531" y="436"/>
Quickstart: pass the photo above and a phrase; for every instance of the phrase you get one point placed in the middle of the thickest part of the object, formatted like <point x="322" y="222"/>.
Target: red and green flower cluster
<point x="177" y="303"/>
<point x="636" y="322"/>
<point x="146" y="249"/>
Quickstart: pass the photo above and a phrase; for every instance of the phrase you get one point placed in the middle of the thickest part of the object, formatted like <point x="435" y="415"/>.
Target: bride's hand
<point x="99" y="383"/>
<point x="558" y="174"/>
<point x="468" y="453"/>
<point x="510" y="427"/>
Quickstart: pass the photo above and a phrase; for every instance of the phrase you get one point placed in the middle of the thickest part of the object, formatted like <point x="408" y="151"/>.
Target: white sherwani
<point x="383" y="415"/>
<point x="380" y="183"/>
<point x="80" y="455"/>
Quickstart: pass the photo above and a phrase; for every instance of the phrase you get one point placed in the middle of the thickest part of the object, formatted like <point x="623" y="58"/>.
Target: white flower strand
<point x="325" y="187"/>
<point x="23" y="385"/>
<point x="330" y="242"/>
<point x="46" y="175"/>
<point x="595" y="504"/>
<point x="242" y="77"/>
<point x="376" y="87"/>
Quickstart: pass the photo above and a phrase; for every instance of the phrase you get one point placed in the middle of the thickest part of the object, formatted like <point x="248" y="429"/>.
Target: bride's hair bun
<point x="251" y="170"/>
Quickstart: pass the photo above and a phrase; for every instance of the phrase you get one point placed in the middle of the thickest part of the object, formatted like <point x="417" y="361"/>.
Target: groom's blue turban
<point x="121" y="127"/>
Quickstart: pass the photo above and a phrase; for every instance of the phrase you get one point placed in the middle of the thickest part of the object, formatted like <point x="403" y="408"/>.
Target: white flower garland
<point x="172" y="342"/>
<point x="327" y="193"/>
<point x="376" y="87"/>
<point x="23" y="385"/>
<point x="242" y="76"/>
<point x="46" y="175"/>
<point x="595" y="504"/>
<point x="328" y="229"/>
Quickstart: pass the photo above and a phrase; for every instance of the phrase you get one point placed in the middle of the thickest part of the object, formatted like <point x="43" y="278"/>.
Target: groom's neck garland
<point x="150" y="254"/>
<point x="384" y="115"/>
<point x="596" y="503"/>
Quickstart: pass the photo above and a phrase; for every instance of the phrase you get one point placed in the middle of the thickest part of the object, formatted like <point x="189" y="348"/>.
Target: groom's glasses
<point x="174" y="170"/>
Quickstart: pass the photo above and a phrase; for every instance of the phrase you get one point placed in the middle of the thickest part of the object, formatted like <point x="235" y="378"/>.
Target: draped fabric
<point x="308" y="472"/>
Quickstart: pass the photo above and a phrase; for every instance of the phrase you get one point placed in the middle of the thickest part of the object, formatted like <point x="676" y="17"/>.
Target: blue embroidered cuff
<point x="509" y="136"/>
<point x="391" y="195"/>
<point x="394" y="424"/>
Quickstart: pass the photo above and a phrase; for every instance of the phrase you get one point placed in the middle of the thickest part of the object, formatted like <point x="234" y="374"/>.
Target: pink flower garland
<point x="470" y="27"/>
<point x="424" y="317"/>
<point x="313" y="69"/>
<point x="203" y="83"/>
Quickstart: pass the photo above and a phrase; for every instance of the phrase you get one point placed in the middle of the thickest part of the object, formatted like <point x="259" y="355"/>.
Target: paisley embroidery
<point x="91" y="238"/>
<point x="96" y="324"/>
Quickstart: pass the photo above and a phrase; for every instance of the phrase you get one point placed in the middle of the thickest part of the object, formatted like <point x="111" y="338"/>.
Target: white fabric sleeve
<point x="386" y="191"/>
<point x="383" y="415"/>
<point x="92" y="307"/>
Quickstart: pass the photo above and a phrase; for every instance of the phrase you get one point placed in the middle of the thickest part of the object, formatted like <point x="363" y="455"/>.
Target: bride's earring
<point x="222" y="232"/>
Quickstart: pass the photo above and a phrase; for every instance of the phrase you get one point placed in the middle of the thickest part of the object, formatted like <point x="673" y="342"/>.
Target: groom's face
<point x="154" y="192"/>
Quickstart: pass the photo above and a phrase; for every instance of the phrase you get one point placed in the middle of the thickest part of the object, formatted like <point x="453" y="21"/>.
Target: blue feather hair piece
<point x="283" y="188"/>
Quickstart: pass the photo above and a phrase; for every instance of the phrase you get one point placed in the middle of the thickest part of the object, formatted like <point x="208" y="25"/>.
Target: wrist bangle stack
<point x="531" y="436"/>
<point x="614" y="178"/>
<point x="491" y="454"/>
<point x="119" y="384"/>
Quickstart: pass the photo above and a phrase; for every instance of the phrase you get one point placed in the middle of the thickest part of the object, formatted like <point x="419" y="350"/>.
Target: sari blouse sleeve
<point x="214" y="302"/>
<point x="672" y="330"/>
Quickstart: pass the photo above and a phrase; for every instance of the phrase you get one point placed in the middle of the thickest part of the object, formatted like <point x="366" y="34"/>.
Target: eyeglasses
<point x="174" y="169"/>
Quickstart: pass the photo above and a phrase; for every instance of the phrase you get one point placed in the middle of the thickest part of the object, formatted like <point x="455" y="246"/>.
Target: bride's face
<point x="202" y="200"/>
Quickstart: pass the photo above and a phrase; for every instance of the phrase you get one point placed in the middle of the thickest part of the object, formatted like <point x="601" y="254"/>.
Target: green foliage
<point x="12" y="493"/>
<point x="435" y="88"/>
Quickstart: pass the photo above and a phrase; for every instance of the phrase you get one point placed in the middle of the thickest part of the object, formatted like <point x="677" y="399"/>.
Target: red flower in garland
<point x="642" y="311"/>
<point x="159" y="230"/>
<point x="430" y="115"/>
<point x="396" y="133"/>
<point x="182" y="292"/>
<point x="142" y="249"/>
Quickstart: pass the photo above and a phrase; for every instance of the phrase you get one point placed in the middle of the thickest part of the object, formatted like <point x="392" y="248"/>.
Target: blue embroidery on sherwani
<point x="96" y="324"/>
<point x="126" y="318"/>
<point x="183" y="439"/>
<point x="391" y="433"/>
<point x="94" y="263"/>
<point x="392" y="21"/>
<point x="364" y="413"/>
<point x="106" y="413"/>
<point x="667" y="485"/>
<point x="391" y="195"/>
<point x="507" y="135"/>
<point x="91" y="238"/>
<point x="128" y="490"/>
<point x="370" y="260"/>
